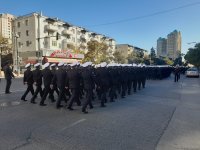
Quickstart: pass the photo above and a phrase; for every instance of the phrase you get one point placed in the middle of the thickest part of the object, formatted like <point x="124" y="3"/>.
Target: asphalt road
<point x="163" y="116"/>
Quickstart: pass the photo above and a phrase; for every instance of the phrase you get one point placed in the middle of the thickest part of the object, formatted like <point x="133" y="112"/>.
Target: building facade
<point x="174" y="44"/>
<point x="126" y="49"/>
<point x="40" y="36"/>
<point x="6" y="21"/>
<point x="162" y="47"/>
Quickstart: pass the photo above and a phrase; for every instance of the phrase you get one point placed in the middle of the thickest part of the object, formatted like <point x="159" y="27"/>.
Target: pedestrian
<point x="73" y="77"/>
<point x="60" y="77"/>
<point x="28" y="81"/>
<point x="55" y="88"/>
<point x="176" y="73"/>
<point x="37" y="78"/>
<point x="102" y="80"/>
<point x="88" y="85"/>
<point x="8" y="76"/>
<point x="47" y="79"/>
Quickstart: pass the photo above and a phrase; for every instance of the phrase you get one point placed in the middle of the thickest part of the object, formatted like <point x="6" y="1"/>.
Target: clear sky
<point x="127" y="26"/>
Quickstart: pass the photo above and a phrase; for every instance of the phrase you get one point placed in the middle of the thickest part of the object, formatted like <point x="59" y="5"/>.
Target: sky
<point x="136" y="22"/>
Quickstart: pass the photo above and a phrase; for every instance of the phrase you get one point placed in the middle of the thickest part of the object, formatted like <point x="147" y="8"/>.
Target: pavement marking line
<point x="73" y="124"/>
<point x="4" y="104"/>
<point x="13" y="91"/>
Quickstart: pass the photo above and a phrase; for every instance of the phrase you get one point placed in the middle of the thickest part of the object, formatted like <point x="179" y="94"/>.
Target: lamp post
<point x="16" y="36"/>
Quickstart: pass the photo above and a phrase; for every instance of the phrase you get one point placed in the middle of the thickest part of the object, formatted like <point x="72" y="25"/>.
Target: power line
<point x="146" y="16"/>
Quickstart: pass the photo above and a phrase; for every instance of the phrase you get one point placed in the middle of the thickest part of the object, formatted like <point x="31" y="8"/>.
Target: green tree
<point x="5" y="50"/>
<point x="193" y="55"/>
<point x="152" y="55"/>
<point x="168" y="61"/>
<point x="97" y="52"/>
<point x="119" y="58"/>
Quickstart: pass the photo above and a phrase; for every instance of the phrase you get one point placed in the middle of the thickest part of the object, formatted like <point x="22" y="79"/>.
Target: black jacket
<point x="37" y="77"/>
<point x="88" y="78"/>
<point x="73" y="78"/>
<point x="47" y="77"/>
<point x="60" y="78"/>
<point x="28" y="77"/>
<point x="8" y="72"/>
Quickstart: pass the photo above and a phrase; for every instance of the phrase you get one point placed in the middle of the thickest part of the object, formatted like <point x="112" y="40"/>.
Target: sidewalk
<point x="183" y="131"/>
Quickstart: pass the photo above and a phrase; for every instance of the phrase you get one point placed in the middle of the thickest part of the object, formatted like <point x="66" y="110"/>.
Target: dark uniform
<point x="74" y="85"/>
<point x="176" y="74"/>
<point x="102" y="80"/>
<point x="47" y="79"/>
<point x="60" y="78"/>
<point x="37" y="78"/>
<point x="28" y="79"/>
<point x="8" y="76"/>
<point x="88" y="85"/>
<point x="55" y="87"/>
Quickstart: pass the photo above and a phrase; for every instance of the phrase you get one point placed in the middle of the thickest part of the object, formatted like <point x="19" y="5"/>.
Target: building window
<point x="60" y="46"/>
<point x="19" y="44"/>
<point x="19" y="33"/>
<point x="73" y="39"/>
<point x="27" y="33"/>
<point x="54" y="43"/>
<point x="27" y="43"/>
<point x="18" y="24"/>
<point x="26" y="22"/>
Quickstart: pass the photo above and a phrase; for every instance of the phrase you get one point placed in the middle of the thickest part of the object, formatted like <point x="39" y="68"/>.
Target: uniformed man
<point x="37" y="78"/>
<point x="73" y="76"/>
<point x="47" y="79"/>
<point x="55" y="88"/>
<point x="8" y="76"/>
<point x="102" y="81"/>
<point x="28" y="80"/>
<point x="88" y="85"/>
<point x="60" y="78"/>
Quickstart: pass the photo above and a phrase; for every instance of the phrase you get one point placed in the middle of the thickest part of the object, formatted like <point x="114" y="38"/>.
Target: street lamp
<point x="16" y="36"/>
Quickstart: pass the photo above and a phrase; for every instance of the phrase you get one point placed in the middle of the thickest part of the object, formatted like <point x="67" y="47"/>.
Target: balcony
<point x="66" y="33"/>
<point x="51" y="28"/>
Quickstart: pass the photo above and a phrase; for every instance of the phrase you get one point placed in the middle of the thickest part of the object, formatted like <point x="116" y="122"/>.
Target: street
<point x="163" y="116"/>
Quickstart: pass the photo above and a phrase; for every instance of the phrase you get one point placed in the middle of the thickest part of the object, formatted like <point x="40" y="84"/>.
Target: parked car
<point x="192" y="72"/>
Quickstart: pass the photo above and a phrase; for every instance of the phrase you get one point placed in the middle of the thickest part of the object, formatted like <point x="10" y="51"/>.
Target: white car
<point x="192" y="72"/>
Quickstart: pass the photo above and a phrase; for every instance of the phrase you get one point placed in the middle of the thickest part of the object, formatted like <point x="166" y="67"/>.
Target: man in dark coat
<point x="88" y="78"/>
<point x="73" y="76"/>
<point x="47" y="79"/>
<point x="37" y="78"/>
<point x="28" y="80"/>
<point x="60" y="78"/>
<point x="102" y="81"/>
<point x="55" y="87"/>
<point x="8" y="76"/>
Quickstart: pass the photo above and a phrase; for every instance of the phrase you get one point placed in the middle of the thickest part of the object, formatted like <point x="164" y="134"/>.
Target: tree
<point x="168" y="61"/>
<point x="97" y="52"/>
<point x="152" y="55"/>
<point x="5" y="48"/>
<point x="119" y="58"/>
<point x="193" y="55"/>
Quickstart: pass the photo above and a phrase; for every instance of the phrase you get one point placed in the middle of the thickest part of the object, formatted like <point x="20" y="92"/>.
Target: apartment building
<point x="6" y="21"/>
<point x="162" y="47"/>
<point x="126" y="49"/>
<point x="38" y="36"/>
<point x="174" y="44"/>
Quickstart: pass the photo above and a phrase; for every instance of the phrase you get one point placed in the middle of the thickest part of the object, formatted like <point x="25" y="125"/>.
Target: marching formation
<point x="81" y="84"/>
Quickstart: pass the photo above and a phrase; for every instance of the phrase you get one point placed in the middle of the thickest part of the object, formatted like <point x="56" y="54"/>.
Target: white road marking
<point x="73" y="124"/>
<point x="15" y="103"/>
<point x="4" y="104"/>
<point x="13" y="91"/>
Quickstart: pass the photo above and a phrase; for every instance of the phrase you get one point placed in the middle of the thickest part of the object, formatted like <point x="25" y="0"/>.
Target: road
<point x="163" y="116"/>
